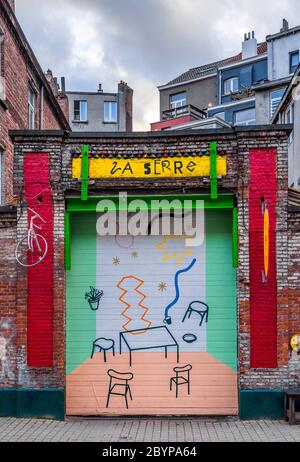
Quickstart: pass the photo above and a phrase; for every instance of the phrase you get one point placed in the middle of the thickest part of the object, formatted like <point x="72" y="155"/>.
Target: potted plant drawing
<point x="93" y="297"/>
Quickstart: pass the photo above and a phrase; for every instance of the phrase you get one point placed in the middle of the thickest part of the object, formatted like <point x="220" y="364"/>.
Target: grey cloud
<point x="145" y="42"/>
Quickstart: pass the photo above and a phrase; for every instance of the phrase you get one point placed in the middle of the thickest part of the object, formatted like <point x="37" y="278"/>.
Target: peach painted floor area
<point x="213" y="386"/>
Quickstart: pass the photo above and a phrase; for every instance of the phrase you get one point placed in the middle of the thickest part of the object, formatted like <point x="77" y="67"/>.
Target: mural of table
<point x="152" y="338"/>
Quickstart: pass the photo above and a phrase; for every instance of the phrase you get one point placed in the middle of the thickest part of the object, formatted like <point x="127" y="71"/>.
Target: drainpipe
<point x="41" y="124"/>
<point x="220" y="87"/>
<point x="272" y="70"/>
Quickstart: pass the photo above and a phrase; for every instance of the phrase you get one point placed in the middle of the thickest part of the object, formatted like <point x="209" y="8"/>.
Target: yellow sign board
<point x="167" y="167"/>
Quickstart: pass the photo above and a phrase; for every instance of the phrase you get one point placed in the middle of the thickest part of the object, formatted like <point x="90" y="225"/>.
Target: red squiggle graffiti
<point x="140" y="282"/>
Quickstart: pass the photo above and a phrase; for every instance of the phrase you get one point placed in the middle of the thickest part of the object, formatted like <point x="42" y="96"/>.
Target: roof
<point x="10" y="18"/>
<point x="283" y="33"/>
<point x="271" y="83"/>
<point x="202" y="123"/>
<point x="210" y="69"/>
<point x="83" y="136"/>
<point x="92" y="93"/>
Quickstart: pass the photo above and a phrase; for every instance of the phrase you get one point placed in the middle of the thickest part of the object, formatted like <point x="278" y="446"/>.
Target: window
<point x="80" y="111"/>
<point x="294" y="61"/>
<point x="289" y="116"/>
<point x="110" y="111"/>
<point x="245" y="117"/>
<point x="178" y="100"/>
<point x="276" y="97"/>
<point x="31" y="108"/>
<point x="289" y="119"/>
<point x="231" y="85"/>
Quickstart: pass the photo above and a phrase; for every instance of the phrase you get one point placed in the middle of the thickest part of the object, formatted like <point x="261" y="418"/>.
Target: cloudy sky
<point x="144" y="42"/>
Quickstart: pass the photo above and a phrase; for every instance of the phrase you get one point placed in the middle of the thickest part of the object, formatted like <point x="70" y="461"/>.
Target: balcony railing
<point x="242" y="94"/>
<point x="181" y="111"/>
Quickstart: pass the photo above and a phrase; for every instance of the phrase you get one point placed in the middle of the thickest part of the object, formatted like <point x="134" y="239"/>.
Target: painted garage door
<point x="133" y="345"/>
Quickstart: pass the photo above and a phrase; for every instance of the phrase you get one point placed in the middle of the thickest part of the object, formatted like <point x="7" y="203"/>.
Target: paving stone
<point x="146" y="430"/>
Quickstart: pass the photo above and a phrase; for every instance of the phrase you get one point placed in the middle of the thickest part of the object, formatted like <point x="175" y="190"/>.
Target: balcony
<point x="242" y="94"/>
<point x="183" y="111"/>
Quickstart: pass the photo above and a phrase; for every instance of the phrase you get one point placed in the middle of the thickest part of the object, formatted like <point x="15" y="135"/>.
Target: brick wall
<point x="49" y="119"/>
<point x="44" y="376"/>
<point x="64" y="104"/>
<point x="8" y="279"/>
<point x="276" y="378"/>
<point x="294" y="288"/>
<point x="294" y="272"/>
<point x="236" y="146"/>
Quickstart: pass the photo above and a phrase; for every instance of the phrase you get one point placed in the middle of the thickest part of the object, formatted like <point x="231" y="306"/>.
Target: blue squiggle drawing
<point x="185" y="270"/>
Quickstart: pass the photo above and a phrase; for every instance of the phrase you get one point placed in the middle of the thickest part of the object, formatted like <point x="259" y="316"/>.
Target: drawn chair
<point x="182" y="377"/>
<point x="118" y="385"/>
<point x="103" y="344"/>
<point x="200" y="308"/>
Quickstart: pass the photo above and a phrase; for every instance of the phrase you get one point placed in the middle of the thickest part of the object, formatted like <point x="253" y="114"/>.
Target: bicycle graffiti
<point x="33" y="248"/>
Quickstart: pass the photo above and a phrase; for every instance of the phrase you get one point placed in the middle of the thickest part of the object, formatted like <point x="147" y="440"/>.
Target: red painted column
<point x="263" y="296"/>
<point x="38" y="195"/>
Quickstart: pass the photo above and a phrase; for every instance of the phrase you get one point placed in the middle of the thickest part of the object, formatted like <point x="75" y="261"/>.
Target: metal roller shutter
<point x="145" y="286"/>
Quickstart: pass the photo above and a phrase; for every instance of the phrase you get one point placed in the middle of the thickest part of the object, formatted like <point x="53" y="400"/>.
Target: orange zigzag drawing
<point x="140" y="282"/>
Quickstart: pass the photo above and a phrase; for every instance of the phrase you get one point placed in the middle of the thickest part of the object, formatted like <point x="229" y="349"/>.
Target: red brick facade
<point x="292" y="324"/>
<point x="263" y="292"/>
<point x="19" y="70"/>
<point x="164" y="124"/>
<point x="38" y="195"/>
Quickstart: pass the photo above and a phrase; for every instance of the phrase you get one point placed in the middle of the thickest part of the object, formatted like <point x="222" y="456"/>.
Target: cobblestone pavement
<point x="146" y="430"/>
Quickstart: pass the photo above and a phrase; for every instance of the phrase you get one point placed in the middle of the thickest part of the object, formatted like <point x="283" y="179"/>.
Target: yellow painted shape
<point x="295" y="343"/>
<point x="266" y="242"/>
<point x="150" y="168"/>
<point x="176" y="256"/>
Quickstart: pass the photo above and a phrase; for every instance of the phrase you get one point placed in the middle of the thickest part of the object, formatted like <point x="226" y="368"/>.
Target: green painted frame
<point x="67" y="242"/>
<point x="84" y="172"/>
<point x="213" y="171"/>
<point x="235" y="238"/>
<point x="223" y="201"/>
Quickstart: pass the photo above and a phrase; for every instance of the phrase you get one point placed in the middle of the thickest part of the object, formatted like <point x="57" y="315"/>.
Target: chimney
<point x="63" y="85"/>
<point x="49" y="75"/>
<point x="100" y="88"/>
<point x="125" y="107"/>
<point x="249" y="46"/>
<point x="52" y="82"/>
<point x="12" y="4"/>
<point x="285" y="25"/>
